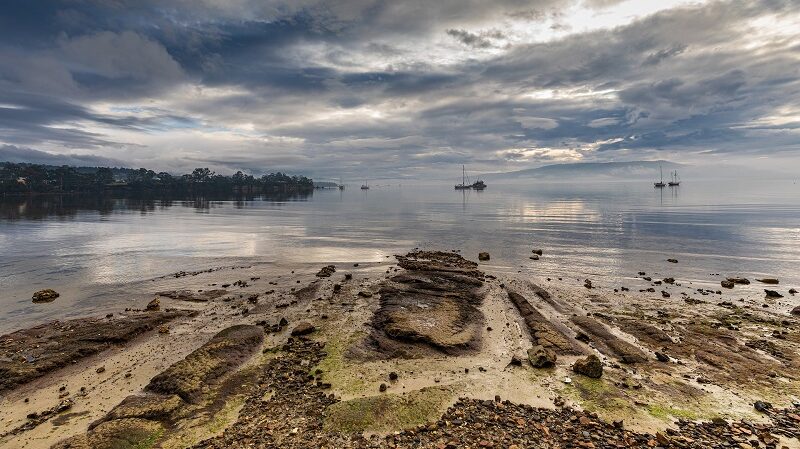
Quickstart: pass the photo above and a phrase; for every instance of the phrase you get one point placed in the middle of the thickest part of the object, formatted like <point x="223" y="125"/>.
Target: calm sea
<point x="97" y="251"/>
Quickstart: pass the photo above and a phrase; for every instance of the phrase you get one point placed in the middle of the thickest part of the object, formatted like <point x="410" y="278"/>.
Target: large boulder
<point x="483" y="257"/>
<point x="303" y="328"/>
<point x="591" y="366"/>
<point x="796" y="311"/>
<point x="46" y="295"/>
<point x="541" y="357"/>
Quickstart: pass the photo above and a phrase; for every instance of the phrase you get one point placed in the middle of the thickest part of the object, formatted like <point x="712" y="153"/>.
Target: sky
<point x="393" y="88"/>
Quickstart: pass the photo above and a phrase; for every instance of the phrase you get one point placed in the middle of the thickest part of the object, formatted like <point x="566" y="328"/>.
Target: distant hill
<point x="591" y="170"/>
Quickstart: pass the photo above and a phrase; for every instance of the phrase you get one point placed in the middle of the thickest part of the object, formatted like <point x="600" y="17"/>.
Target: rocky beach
<point x="426" y="349"/>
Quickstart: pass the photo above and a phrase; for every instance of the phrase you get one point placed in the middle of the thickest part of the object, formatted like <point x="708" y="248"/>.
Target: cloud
<point x="12" y="153"/>
<point x="397" y="87"/>
<point x="483" y="40"/>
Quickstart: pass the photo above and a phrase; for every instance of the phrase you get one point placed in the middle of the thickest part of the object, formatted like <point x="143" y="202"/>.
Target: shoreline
<point x="647" y="395"/>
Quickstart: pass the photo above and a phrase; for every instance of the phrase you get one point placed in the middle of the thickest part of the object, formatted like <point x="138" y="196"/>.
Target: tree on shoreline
<point x="34" y="179"/>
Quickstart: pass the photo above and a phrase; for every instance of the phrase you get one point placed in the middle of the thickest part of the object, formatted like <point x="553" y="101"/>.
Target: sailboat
<point x="660" y="184"/>
<point x="463" y="185"/>
<point x="675" y="180"/>
<point x="341" y="186"/>
<point x="365" y="186"/>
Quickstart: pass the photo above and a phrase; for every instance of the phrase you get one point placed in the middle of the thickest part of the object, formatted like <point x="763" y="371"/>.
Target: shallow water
<point x="95" y="252"/>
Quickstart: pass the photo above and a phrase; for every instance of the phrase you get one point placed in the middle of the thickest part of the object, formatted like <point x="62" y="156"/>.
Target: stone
<point x="591" y="366"/>
<point x="46" y="295"/>
<point x="727" y="284"/>
<point x="792" y="291"/>
<point x="762" y="406"/>
<point x="382" y="388"/>
<point x="326" y="271"/>
<point x="772" y="294"/>
<point x="393" y="376"/>
<point x="483" y="257"/>
<point x="771" y="281"/>
<point x="796" y="311"/>
<point x="672" y="260"/>
<point x="303" y="328"/>
<point x="541" y="357"/>
<point x="538" y="252"/>
<point x="742" y="281"/>
<point x="153" y="305"/>
<point x="661" y="357"/>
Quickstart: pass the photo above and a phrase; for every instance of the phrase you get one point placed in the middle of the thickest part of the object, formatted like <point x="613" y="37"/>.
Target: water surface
<point x="96" y="251"/>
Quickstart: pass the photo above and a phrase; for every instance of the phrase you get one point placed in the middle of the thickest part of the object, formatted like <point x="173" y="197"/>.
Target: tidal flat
<point x="424" y="349"/>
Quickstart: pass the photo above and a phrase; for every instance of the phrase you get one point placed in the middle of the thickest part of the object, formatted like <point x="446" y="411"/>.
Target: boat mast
<point x="463" y="176"/>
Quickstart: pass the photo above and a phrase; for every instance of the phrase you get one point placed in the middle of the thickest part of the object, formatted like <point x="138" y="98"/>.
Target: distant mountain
<point x="592" y="170"/>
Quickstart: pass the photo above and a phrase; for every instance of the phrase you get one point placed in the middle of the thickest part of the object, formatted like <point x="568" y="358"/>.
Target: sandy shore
<point x="394" y="345"/>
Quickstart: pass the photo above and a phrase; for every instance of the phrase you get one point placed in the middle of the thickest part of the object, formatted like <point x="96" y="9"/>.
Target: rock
<point x="538" y="252"/>
<point x="303" y="328"/>
<point x="393" y="376"/>
<point x="792" y="291"/>
<point x="382" y="388"/>
<point x="771" y="281"/>
<point x="665" y="294"/>
<point x="100" y="370"/>
<point x="483" y="257"/>
<point x="672" y="260"/>
<point x="772" y="294"/>
<point x="796" y="311"/>
<point x="727" y="284"/>
<point x="534" y="257"/>
<point x="516" y="360"/>
<point x="742" y="281"/>
<point x="326" y="271"/>
<point x="153" y="305"/>
<point x="541" y="357"/>
<point x="587" y="283"/>
<point x="163" y="329"/>
<point x="669" y="280"/>
<point x="46" y="295"/>
<point x="661" y="357"/>
<point x="762" y="406"/>
<point x="591" y="366"/>
<point x="283" y="322"/>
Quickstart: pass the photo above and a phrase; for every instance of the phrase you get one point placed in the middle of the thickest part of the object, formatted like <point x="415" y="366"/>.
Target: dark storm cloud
<point x="314" y="85"/>
<point x="13" y="153"/>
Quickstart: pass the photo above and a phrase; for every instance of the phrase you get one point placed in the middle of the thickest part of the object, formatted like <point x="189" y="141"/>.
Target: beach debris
<point x="591" y="366"/>
<point x="46" y="295"/>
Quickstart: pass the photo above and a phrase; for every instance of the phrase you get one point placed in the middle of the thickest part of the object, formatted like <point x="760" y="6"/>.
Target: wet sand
<point x="717" y="355"/>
